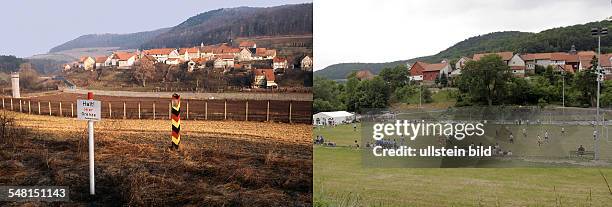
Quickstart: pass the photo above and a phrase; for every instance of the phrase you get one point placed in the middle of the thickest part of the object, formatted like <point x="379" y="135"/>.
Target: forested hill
<point x="122" y="41"/>
<point x="210" y="27"/>
<point x="552" y="40"/>
<point x="221" y="25"/>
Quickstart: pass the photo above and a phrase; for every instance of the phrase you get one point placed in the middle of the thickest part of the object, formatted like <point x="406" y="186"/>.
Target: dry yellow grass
<point x="220" y="163"/>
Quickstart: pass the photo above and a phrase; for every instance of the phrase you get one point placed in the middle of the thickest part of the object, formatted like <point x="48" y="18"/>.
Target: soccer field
<point x="341" y="166"/>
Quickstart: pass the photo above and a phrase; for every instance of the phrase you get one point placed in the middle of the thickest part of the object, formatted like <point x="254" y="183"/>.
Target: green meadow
<point x="341" y="180"/>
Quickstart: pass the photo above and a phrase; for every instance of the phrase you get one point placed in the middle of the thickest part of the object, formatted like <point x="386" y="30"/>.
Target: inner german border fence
<point x="237" y="110"/>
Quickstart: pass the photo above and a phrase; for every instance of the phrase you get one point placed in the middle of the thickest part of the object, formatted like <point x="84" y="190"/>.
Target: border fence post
<point x="20" y="106"/>
<point x="138" y="110"/>
<point x="290" y="108"/>
<point x="72" y="109"/>
<point x="206" y="110"/>
<point x="246" y="111"/>
<point x="153" y="110"/>
<point x="225" y="110"/>
<point x="187" y="110"/>
<point x="2" y="103"/>
<point x="110" y="110"/>
<point x="29" y="107"/>
<point x="60" y="108"/>
<point x="268" y="112"/>
<point x="169" y="110"/>
<point x="38" y="107"/>
<point x="50" y="108"/>
<point x="11" y="104"/>
<point x="124" y="111"/>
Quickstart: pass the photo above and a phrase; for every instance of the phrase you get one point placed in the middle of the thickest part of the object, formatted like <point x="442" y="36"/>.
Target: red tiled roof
<point x="268" y="72"/>
<point x="199" y="60"/>
<point x="124" y="55"/>
<point x="364" y="75"/>
<point x="159" y="51"/>
<point x="432" y="66"/>
<point x="260" y="51"/>
<point x="225" y="56"/>
<point x="190" y="50"/>
<point x="101" y="59"/>
<point x="83" y="58"/>
<point x="605" y="60"/>
<point x="247" y="44"/>
<point x="504" y="55"/>
<point x="279" y="60"/>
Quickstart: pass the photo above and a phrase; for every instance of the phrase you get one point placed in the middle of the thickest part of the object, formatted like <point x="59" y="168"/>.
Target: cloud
<point x="388" y="30"/>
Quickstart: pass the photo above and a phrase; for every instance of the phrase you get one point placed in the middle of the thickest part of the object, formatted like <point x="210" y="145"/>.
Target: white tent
<point x="332" y="118"/>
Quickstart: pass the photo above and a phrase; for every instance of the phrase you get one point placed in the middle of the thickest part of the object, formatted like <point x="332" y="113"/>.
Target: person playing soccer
<point x="524" y="132"/>
<point x="562" y="130"/>
<point x="511" y="138"/>
<point x="539" y="141"/>
<point x="546" y="136"/>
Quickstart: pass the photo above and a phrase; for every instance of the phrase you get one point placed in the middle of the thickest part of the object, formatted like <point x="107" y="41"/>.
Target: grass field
<point x="220" y="163"/>
<point x="341" y="180"/>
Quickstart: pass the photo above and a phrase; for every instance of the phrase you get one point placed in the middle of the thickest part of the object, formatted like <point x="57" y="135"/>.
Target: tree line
<point x="488" y="81"/>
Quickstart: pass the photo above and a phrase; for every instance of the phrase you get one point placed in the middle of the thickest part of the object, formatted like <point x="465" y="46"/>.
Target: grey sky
<point x="389" y="30"/>
<point x="34" y="26"/>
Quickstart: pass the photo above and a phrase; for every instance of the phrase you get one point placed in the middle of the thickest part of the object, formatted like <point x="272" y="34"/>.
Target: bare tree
<point x="144" y="69"/>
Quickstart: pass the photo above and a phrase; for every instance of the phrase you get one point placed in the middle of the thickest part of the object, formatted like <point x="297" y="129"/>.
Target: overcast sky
<point x="34" y="26"/>
<point x="389" y="30"/>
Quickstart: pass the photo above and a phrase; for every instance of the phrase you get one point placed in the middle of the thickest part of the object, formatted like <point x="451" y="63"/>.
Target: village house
<point x="506" y="56"/>
<point x="162" y="54"/>
<point x="517" y="66"/>
<point x="189" y="53"/>
<point x="223" y="61"/>
<point x="67" y="67"/>
<point x="87" y="63"/>
<point x="306" y="64"/>
<point x="364" y="75"/>
<point x="245" y="55"/>
<point x="247" y="44"/>
<point x="125" y="60"/>
<point x="100" y="61"/>
<point x="606" y="63"/>
<point x="422" y="71"/>
<point x="196" y="63"/>
<point x="264" y="78"/>
<point x="279" y="64"/>
<point x="264" y="54"/>
<point x="461" y="62"/>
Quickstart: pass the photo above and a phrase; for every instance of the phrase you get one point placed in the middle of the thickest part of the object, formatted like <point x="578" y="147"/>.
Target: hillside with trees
<point x="210" y="27"/>
<point x="221" y="25"/>
<point x="122" y="41"/>
<point x="552" y="40"/>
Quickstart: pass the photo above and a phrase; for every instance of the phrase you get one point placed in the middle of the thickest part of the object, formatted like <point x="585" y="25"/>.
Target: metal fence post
<point x="154" y="110"/>
<point x="138" y="110"/>
<point x="268" y="112"/>
<point x="246" y="111"/>
<point x="290" y="108"/>
<point x="110" y="110"/>
<point x="29" y="107"/>
<point x="20" y="106"/>
<point x="206" y="110"/>
<point x="225" y="110"/>
<point x="124" y="116"/>
<point x="11" y="104"/>
<point x="60" y="108"/>
<point x="71" y="109"/>
<point x="187" y="110"/>
<point x="50" y="108"/>
<point x="38" y="107"/>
